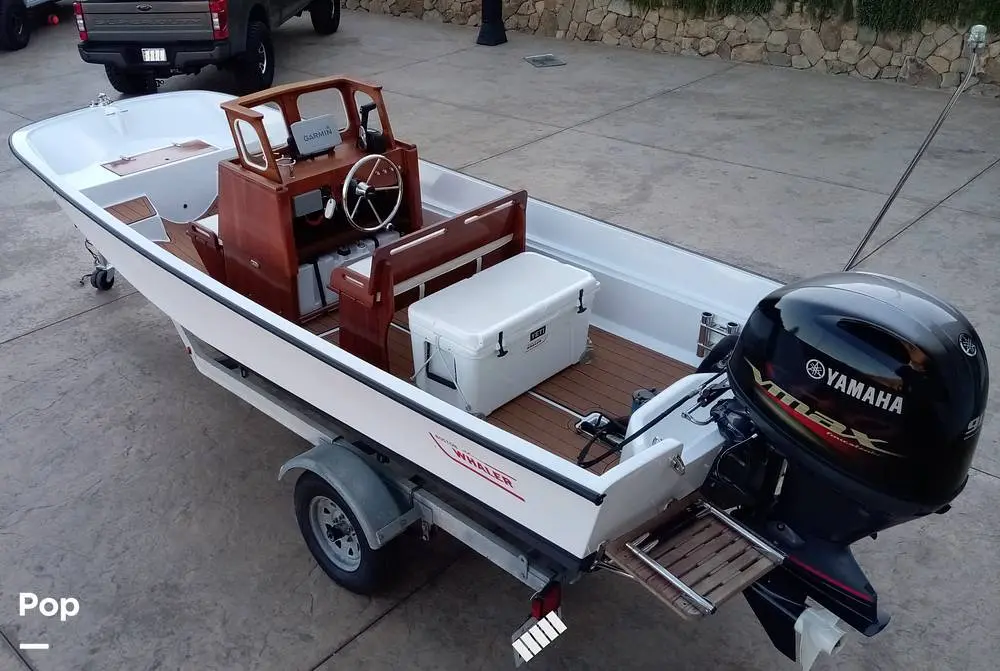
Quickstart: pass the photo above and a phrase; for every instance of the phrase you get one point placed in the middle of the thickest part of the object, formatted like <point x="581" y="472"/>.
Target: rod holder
<point x="710" y="332"/>
<point x="977" y="44"/>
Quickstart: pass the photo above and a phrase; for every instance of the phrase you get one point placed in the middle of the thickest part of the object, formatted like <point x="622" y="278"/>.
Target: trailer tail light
<point x="220" y="18"/>
<point x="81" y="25"/>
<point x="546" y="601"/>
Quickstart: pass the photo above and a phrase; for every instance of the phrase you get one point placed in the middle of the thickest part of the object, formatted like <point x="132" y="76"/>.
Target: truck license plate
<point x="154" y="55"/>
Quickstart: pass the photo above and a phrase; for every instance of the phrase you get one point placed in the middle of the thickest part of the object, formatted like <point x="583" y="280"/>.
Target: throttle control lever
<point x="369" y="140"/>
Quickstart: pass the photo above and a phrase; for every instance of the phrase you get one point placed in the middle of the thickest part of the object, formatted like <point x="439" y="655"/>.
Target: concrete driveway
<point x="138" y="487"/>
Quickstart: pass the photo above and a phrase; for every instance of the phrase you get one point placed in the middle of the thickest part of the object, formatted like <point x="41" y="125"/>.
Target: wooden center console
<point x="274" y="202"/>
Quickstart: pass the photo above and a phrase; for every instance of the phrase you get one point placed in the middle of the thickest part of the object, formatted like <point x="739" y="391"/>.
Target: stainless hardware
<point x="697" y="600"/>
<point x="710" y="329"/>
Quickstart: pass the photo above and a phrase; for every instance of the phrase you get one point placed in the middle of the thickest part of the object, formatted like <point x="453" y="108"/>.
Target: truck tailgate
<point x="140" y="21"/>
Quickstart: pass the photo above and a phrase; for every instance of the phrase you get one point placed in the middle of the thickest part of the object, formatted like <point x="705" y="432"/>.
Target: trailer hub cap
<point x="335" y="533"/>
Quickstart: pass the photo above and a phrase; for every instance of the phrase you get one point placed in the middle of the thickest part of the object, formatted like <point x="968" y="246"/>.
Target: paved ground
<point x="149" y="494"/>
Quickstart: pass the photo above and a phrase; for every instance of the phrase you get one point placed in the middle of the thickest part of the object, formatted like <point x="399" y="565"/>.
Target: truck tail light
<point x="81" y="24"/>
<point x="220" y="18"/>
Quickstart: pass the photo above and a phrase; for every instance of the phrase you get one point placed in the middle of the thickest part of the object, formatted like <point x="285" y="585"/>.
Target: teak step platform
<point x="693" y="557"/>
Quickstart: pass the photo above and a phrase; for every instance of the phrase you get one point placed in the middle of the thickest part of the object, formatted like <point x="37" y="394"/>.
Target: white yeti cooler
<point x="494" y="336"/>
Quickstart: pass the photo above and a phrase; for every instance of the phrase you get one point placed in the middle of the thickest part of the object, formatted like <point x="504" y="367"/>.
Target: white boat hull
<point x="555" y="500"/>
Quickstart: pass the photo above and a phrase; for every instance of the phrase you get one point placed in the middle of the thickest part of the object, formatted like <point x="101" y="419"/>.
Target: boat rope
<point x="976" y="42"/>
<point x="923" y="214"/>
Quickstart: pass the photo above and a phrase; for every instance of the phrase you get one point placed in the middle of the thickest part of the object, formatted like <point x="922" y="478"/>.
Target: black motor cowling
<point x="866" y="395"/>
<point x="869" y="380"/>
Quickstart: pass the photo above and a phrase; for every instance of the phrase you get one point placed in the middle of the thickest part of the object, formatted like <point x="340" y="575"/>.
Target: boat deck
<point x="606" y="378"/>
<point x="612" y="369"/>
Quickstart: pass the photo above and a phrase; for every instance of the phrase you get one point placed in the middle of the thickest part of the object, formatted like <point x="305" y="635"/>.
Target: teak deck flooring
<point x="180" y="245"/>
<point x="131" y="211"/>
<point x="612" y="369"/>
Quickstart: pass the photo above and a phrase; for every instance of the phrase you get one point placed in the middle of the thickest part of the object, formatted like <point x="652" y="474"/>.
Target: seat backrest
<point x="485" y="235"/>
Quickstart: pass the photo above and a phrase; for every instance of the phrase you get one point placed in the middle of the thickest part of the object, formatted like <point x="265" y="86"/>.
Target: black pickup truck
<point x="141" y="41"/>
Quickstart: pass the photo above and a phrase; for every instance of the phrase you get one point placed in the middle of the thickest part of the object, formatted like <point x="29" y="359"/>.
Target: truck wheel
<point x="325" y="15"/>
<point x="15" y="31"/>
<point x="254" y="68"/>
<point x="130" y="83"/>
<point x="335" y="538"/>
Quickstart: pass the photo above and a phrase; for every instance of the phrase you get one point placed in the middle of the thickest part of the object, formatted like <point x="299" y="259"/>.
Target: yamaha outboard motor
<point x="858" y="405"/>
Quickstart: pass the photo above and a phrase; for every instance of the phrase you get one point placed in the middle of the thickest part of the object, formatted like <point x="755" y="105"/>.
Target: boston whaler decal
<point x="816" y="421"/>
<point x="477" y="466"/>
<point x="865" y="393"/>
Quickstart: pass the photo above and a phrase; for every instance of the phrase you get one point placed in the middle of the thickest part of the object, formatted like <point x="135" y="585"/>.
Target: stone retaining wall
<point x="931" y="57"/>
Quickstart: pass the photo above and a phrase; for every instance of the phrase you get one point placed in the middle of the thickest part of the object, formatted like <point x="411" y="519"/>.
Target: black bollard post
<point x="491" y="30"/>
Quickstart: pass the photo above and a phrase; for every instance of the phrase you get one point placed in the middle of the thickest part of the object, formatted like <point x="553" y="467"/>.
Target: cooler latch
<point x="500" y="350"/>
<point x="579" y="299"/>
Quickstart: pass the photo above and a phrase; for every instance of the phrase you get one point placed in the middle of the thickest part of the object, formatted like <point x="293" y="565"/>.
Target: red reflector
<point x="548" y="600"/>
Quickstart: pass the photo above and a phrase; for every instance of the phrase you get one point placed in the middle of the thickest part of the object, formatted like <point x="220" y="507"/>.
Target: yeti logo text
<point x="65" y="607"/>
<point x="865" y="393"/>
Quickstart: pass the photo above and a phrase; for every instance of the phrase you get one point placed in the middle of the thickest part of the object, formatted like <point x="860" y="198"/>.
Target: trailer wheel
<point x="334" y="536"/>
<point x="15" y="30"/>
<point x="102" y="280"/>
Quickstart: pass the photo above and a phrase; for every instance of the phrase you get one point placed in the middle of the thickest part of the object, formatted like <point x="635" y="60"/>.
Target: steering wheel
<point x="363" y="191"/>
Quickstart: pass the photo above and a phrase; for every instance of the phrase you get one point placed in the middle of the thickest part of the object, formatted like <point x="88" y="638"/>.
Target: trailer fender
<point x="380" y="515"/>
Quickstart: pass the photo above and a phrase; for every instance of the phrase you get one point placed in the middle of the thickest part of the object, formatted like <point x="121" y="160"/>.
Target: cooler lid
<point x="512" y="295"/>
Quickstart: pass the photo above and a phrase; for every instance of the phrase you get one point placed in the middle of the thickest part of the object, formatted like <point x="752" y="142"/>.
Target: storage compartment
<point x="310" y="298"/>
<point x="342" y="257"/>
<point x="486" y="340"/>
<point x="346" y="256"/>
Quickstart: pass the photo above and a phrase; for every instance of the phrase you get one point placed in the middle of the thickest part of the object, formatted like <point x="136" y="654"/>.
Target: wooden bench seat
<point x="372" y="290"/>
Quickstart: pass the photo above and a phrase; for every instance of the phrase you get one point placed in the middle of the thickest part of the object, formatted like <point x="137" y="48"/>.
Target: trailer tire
<point x="355" y="566"/>
<point x="102" y="279"/>
<point x="15" y="27"/>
